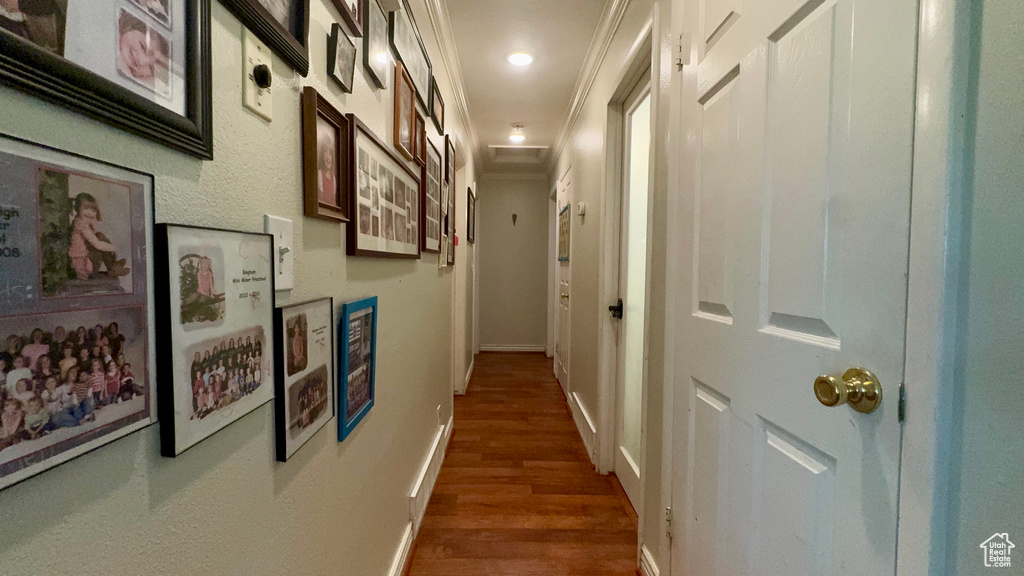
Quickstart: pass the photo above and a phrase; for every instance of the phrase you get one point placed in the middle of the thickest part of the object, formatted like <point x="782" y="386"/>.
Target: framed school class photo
<point x="76" y="365"/>
<point x="375" y="44"/>
<point x="432" y="216"/>
<point x="408" y="47"/>
<point x="141" y="66"/>
<point x="386" y="199"/>
<point x="357" y="361"/>
<point x="282" y="24"/>
<point x="405" y="109"/>
<point x="341" y="58"/>
<point x="215" y="321"/>
<point x="304" y="349"/>
<point x="326" y="165"/>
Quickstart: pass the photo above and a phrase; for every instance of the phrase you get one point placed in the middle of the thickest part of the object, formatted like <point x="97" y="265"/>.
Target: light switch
<point x="257" y="78"/>
<point x="284" y="250"/>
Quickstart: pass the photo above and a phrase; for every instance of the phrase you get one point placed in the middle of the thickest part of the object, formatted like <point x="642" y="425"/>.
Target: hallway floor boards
<point x="517" y="494"/>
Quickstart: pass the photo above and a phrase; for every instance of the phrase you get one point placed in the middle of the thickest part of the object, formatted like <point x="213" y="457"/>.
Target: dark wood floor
<point x="517" y="494"/>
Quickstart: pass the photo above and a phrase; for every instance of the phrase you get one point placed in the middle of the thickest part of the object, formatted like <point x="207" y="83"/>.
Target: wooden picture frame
<point x="172" y="106"/>
<point x="420" y="131"/>
<point x="325" y="139"/>
<point x="352" y="13"/>
<point x="431" y="213"/>
<point x="211" y="287"/>
<point x="470" y="216"/>
<point x="341" y="58"/>
<point x="437" y="107"/>
<point x="449" y="160"/>
<point x="407" y="44"/>
<point x="385" y="198"/>
<point x="405" y="112"/>
<point x="375" y="43"/>
<point x="304" y="380"/>
<point x="357" y="361"/>
<point x="287" y="33"/>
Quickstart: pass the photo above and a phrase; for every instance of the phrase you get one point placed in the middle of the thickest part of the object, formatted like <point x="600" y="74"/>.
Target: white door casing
<point x="795" y="178"/>
<point x="564" y="281"/>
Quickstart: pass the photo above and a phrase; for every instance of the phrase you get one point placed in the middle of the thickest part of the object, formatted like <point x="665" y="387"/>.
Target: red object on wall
<point x="456" y="239"/>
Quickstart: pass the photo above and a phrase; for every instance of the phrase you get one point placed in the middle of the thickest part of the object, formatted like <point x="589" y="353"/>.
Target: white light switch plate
<point x="254" y="53"/>
<point x="284" y="249"/>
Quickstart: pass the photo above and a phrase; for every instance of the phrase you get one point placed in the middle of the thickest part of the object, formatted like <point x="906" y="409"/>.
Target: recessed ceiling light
<point x="517" y="138"/>
<point x="520" y="58"/>
<point x="517" y="135"/>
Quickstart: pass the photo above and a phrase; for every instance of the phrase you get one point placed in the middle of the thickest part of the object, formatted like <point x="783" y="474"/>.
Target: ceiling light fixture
<point x="517" y="135"/>
<point x="520" y="59"/>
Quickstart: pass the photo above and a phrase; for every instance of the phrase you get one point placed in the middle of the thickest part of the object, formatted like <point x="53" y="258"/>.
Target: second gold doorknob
<point x="858" y="387"/>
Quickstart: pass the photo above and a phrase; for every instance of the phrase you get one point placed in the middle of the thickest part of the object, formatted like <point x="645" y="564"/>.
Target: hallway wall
<point x="513" y="262"/>
<point x="226" y="507"/>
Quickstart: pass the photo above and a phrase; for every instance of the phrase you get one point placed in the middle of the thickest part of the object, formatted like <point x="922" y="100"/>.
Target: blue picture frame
<point x="357" y="359"/>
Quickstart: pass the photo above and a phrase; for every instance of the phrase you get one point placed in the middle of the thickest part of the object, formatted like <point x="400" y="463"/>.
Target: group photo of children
<point x="309" y="398"/>
<point x="225" y="372"/>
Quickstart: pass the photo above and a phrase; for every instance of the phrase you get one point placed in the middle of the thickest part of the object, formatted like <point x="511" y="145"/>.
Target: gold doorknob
<point x="859" y="388"/>
<point x="565" y="295"/>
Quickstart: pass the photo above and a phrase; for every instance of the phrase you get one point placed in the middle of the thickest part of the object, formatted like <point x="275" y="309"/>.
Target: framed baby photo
<point x="408" y="46"/>
<point x="405" y="109"/>
<point x="76" y="307"/>
<point x="357" y="361"/>
<point x="283" y="25"/>
<point x="352" y="13"/>
<point x="341" y="58"/>
<point x="437" y="108"/>
<point x="375" y="44"/>
<point x="304" y="349"/>
<point x="431" y="214"/>
<point x="419" y="133"/>
<point x="325" y="158"/>
<point x="140" y="65"/>
<point x="215" y="322"/>
<point x="386" y="197"/>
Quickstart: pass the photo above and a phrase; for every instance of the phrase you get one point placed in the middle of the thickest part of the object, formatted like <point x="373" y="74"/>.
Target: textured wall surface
<point x="225" y="507"/>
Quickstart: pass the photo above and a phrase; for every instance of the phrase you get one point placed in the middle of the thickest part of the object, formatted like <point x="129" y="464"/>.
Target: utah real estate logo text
<point x="997" y="550"/>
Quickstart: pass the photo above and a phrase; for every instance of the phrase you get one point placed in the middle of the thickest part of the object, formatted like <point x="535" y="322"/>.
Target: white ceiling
<point x="556" y="32"/>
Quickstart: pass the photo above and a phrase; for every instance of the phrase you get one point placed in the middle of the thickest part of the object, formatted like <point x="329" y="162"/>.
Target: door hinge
<point x="682" y="49"/>
<point x="902" y="410"/>
<point x="668" y="522"/>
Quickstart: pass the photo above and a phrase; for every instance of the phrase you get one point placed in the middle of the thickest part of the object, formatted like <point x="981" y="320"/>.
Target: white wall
<point x="513" y="262"/>
<point x="225" y="507"/>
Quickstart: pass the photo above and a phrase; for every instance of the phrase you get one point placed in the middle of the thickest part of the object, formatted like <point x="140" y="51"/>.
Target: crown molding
<point x="441" y="24"/>
<point x="614" y="11"/>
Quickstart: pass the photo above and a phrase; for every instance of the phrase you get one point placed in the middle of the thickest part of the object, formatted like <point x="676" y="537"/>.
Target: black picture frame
<point x="353" y="19"/>
<point x="470" y="216"/>
<point x="431" y="210"/>
<point x="449" y="160"/>
<point x="337" y="40"/>
<point x="437" y="107"/>
<point x="402" y="29"/>
<point x="291" y="45"/>
<point x="32" y="69"/>
<point x="375" y="43"/>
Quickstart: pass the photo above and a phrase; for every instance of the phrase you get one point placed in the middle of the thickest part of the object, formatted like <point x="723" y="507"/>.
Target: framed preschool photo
<point x="341" y="58"/>
<point x="304" y="348"/>
<point x="76" y="364"/>
<point x="357" y="361"/>
<point x="215" y="322"/>
<point x="140" y="65"/>
<point x="282" y="24"/>
<point x="325" y="158"/>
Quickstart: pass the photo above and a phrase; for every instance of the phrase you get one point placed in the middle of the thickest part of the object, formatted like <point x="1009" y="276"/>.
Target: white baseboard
<point x="585" y="425"/>
<point x="402" y="554"/>
<point x="647" y="563"/>
<point x="448" y="432"/>
<point x="424" y="486"/>
<point x="513" y="348"/>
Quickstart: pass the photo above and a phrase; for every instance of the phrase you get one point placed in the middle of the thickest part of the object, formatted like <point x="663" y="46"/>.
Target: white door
<point x="631" y="339"/>
<point x="795" y="173"/>
<point x="564" y="276"/>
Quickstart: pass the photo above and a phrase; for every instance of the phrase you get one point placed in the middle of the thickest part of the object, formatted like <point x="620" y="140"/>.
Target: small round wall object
<point x="262" y="76"/>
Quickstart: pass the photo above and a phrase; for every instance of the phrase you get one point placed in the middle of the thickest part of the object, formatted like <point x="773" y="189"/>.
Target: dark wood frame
<point x="346" y="425"/>
<point x="280" y="375"/>
<point x="421" y="91"/>
<point x="435" y="100"/>
<point x="352" y="231"/>
<point x="470" y="216"/>
<point x="423" y="200"/>
<point x="315" y="106"/>
<point x="449" y="160"/>
<point x="294" y="51"/>
<point x="403" y="82"/>
<point x="164" y="334"/>
<point x="451" y="225"/>
<point x="354" y="22"/>
<point x="420" y="128"/>
<point x="332" y="57"/>
<point x="379" y="78"/>
<point x="27" y="67"/>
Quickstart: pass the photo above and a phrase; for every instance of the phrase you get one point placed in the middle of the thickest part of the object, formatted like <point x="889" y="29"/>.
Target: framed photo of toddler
<point x="76" y="307"/>
<point x="357" y="359"/>
<point x="304" y="348"/>
<point x="215" y="320"/>
<point x="326" y="165"/>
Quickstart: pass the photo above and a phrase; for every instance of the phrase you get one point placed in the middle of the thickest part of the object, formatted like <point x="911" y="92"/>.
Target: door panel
<point x="564" y="198"/>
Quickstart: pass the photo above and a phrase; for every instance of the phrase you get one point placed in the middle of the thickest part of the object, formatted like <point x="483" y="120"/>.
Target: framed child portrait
<point x="76" y="365"/>
<point x="282" y="24"/>
<point x="325" y="158"/>
<point x="341" y="58"/>
<point x="357" y="352"/>
<point x="405" y="109"/>
<point x="304" y="348"/>
<point x="375" y="44"/>
<point x="432" y="217"/>
<point x="215" y="322"/>
<point x="140" y="65"/>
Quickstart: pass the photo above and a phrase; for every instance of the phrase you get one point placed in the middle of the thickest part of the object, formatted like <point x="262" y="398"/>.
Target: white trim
<point x="511" y="348"/>
<point x="402" y="554"/>
<point x="419" y="498"/>
<point x="933" y="292"/>
<point x="585" y="426"/>
<point x="514" y="176"/>
<point x="469" y="376"/>
<point x="647" y="564"/>
<point x="448" y="433"/>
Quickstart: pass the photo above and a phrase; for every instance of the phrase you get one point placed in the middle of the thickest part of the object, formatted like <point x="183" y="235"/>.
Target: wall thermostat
<point x="581" y="209"/>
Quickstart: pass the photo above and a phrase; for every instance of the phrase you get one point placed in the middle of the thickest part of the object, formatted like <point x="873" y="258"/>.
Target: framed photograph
<point x="375" y="44"/>
<point x="215" y="322"/>
<point x="450" y="218"/>
<point x="325" y="158"/>
<point x="419" y="132"/>
<point x="564" y="221"/>
<point x="283" y="25"/>
<point x="77" y="351"/>
<point x="408" y="46"/>
<point x="357" y="359"/>
<point x="304" y="382"/>
<point x="352" y="13"/>
<point x="341" y="58"/>
<point x="449" y="160"/>
<point x="386" y="195"/>
<point x="140" y="65"/>
<point x="470" y="216"/>
<point x="437" y="108"/>
<point x="431" y="214"/>
<point x="405" y="109"/>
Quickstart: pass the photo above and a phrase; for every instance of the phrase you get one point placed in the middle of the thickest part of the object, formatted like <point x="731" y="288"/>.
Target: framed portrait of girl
<point x="325" y="158"/>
